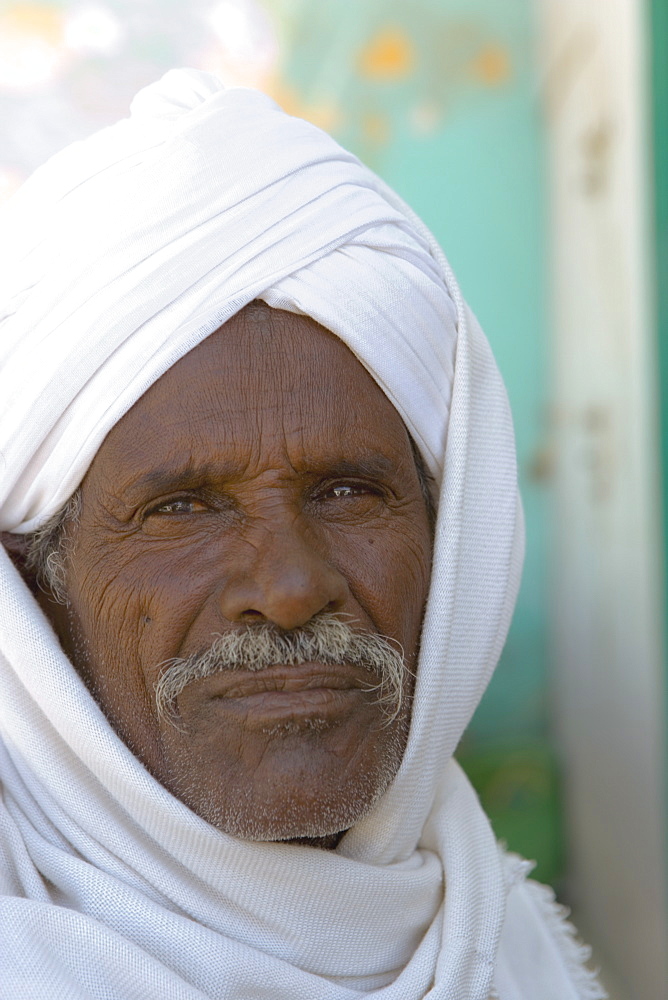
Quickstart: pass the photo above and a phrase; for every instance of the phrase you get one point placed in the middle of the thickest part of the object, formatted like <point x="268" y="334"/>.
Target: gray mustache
<point x="324" y="639"/>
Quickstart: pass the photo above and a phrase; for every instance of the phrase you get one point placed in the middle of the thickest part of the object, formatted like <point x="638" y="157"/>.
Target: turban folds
<point x="127" y="249"/>
<point x="118" y="257"/>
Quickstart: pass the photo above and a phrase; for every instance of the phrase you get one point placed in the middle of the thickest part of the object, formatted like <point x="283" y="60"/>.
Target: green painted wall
<point x="658" y="33"/>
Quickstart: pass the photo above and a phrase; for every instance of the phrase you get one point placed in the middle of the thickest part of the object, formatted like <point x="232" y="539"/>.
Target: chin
<point x="291" y="815"/>
<point x="319" y="820"/>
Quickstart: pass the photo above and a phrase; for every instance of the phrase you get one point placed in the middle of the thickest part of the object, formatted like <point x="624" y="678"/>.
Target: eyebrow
<point x="170" y="477"/>
<point x="373" y="465"/>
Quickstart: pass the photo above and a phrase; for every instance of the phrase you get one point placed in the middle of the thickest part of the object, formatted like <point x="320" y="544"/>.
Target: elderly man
<point x="262" y="542"/>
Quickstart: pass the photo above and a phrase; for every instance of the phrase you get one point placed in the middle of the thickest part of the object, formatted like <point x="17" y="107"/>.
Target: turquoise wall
<point x="658" y="34"/>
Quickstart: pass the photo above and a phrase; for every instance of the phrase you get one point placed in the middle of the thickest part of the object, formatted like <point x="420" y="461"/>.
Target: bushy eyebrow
<point x="167" y="478"/>
<point x="162" y="480"/>
<point x="373" y="466"/>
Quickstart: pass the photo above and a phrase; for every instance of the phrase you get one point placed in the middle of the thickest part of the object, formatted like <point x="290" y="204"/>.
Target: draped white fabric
<point x="116" y="258"/>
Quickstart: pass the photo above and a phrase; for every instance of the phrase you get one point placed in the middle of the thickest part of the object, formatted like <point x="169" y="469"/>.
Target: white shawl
<point x="116" y="258"/>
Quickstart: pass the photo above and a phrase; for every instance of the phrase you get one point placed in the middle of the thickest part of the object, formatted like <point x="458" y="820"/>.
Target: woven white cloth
<point x="116" y="258"/>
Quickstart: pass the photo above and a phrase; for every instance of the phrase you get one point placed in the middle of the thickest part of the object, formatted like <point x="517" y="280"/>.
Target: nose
<point x="286" y="580"/>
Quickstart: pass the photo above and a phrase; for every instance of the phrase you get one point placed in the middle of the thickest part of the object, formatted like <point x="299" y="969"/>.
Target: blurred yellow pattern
<point x="389" y="55"/>
<point x="33" y="20"/>
<point x="31" y="44"/>
<point x="491" y="66"/>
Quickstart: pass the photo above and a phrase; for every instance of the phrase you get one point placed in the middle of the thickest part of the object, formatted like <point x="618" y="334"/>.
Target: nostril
<point x="285" y="588"/>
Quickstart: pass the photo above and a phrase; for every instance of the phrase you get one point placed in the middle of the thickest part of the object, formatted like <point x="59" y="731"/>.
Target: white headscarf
<point x="116" y="258"/>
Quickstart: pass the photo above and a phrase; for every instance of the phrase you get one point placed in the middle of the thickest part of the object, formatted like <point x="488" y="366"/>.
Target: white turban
<point x="116" y="258"/>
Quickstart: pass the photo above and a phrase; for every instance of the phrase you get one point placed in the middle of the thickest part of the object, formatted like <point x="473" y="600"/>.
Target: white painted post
<point x="607" y="580"/>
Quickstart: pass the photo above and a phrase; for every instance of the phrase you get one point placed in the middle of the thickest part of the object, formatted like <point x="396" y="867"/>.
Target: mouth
<point x="283" y="693"/>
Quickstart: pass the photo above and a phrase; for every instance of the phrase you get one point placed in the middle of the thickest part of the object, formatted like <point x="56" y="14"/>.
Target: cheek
<point x="103" y="597"/>
<point x="141" y="599"/>
<point x="116" y="603"/>
<point x="126" y="618"/>
<point x="389" y="573"/>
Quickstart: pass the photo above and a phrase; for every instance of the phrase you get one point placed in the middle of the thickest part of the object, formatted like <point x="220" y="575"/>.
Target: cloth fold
<point x="119" y="256"/>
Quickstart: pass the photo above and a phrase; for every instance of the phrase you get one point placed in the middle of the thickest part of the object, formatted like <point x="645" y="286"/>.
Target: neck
<point x="327" y="843"/>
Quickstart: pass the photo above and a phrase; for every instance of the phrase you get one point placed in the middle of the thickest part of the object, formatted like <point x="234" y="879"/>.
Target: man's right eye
<point x="180" y="505"/>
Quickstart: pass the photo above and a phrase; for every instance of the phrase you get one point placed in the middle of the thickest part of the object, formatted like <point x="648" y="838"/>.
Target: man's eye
<point x="181" y="505"/>
<point x="344" y="490"/>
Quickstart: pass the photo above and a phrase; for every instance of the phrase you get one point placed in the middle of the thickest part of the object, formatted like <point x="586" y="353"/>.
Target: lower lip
<point x="265" y="707"/>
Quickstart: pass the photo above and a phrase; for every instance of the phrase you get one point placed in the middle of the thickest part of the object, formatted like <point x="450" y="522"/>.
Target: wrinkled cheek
<point x="107" y="648"/>
<point x="412" y="571"/>
<point x="395" y="581"/>
<point x="117" y="611"/>
<point x="109" y="616"/>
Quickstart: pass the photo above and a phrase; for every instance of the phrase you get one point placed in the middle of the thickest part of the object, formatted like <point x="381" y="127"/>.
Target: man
<point x="238" y="378"/>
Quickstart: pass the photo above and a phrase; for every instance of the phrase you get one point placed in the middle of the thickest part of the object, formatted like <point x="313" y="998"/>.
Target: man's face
<point x="263" y="479"/>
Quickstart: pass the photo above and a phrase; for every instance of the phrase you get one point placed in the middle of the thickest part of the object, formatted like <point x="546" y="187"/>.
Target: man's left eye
<point x="344" y="490"/>
<point x="178" y="506"/>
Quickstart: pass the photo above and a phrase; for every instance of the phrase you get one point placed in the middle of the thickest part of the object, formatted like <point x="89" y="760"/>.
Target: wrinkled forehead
<point x="268" y="387"/>
<point x="264" y="354"/>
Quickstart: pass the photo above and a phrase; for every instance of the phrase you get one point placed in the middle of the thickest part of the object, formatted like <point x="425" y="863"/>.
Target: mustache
<point x="324" y="639"/>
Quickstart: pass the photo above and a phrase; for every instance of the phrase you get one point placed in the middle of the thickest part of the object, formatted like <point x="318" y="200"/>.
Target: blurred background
<point x="532" y="137"/>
